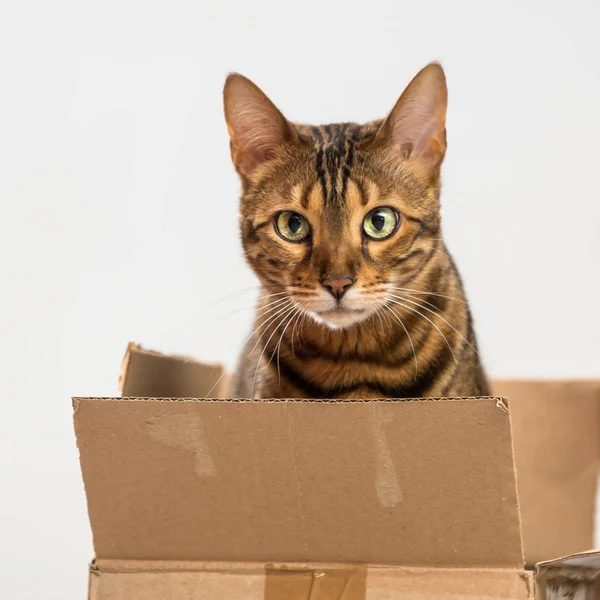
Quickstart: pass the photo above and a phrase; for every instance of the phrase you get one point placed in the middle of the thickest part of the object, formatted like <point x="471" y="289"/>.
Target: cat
<point x="341" y="223"/>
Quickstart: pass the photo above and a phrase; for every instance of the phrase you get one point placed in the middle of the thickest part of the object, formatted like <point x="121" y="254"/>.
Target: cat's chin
<point x="340" y="318"/>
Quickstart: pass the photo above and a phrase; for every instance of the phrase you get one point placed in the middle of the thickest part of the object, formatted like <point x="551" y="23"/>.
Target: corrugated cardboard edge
<point x="585" y="561"/>
<point x="319" y="401"/>
<point x="304" y="581"/>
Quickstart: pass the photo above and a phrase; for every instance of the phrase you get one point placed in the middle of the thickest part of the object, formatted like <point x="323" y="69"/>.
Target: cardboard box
<point x="556" y="436"/>
<point x="296" y="499"/>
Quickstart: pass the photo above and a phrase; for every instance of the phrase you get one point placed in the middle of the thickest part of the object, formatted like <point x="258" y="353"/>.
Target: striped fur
<point x="404" y="328"/>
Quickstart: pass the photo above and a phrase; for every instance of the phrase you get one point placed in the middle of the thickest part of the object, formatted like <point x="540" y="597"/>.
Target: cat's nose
<point x="337" y="287"/>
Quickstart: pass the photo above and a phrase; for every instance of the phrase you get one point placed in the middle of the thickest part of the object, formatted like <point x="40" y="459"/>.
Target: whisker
<point x="282" y="318"/>
<point x="430" y="321"/>
<point x="441" y="317"/>
<point x="376" y="312"/>
<point x="424" y="292"/>
<point x="261" y="311"/>
<point x="399" y="320"/>
<point x="274" y="294"/>
<point x="278" y="347"/>
<point x="215" y="385"/>
<point x="439" y="310"/>
<point x="302" y="327"/>
<point x="273" y="316"/>
<point x="300" y="315"/>
<point x="282" y="314"/>
<point x="232" y="295"/>
<point x="258" y="312"/>
<point x="386" y="316"/>
<point x="240" y="292"/>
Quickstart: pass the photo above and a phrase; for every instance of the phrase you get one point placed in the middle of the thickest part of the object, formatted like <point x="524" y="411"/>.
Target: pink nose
<point x="337" y="287"/>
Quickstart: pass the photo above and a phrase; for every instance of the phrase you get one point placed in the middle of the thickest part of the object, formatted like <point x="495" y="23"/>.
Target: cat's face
<point x="336" y="219"/>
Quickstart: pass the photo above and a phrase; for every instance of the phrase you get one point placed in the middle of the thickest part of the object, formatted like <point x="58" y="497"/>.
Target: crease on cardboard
<point x="300" y="496"/>
<point x="387" y="486"/>
<point x="352" y="581"/>
<point x="347" y="582"/>
<point x="314" y="585"/>
<point x="517" y="497"/>
<point x="184" y="432"/>
<point x="129" y="565"/>
<point x="529" y="584"/>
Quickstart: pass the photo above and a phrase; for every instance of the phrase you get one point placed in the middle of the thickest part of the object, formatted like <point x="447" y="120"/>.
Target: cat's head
<point x="337" y="218"/>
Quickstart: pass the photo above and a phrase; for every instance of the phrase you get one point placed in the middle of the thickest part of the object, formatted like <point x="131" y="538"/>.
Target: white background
<point x="119" y="204"/>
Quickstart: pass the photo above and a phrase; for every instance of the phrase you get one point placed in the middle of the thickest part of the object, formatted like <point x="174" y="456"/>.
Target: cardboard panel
<point x="448" y="584"/>
<point x="149" y="374"/>
<point x="404" y="482"/>
<point x="165" y="581"/>
<point x="556" y="432"/>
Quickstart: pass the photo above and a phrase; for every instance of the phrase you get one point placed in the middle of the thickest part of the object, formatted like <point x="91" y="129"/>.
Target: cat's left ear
<point x="415" y="130"/>
<point x="257" y="129"/>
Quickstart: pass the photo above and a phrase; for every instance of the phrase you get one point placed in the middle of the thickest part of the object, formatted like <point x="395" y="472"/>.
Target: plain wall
<point x="119" y="203"/>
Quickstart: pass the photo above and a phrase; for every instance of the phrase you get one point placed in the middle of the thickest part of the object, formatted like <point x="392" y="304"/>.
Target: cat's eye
<point x="291" y="226"/>
<point x="381" y="222"/>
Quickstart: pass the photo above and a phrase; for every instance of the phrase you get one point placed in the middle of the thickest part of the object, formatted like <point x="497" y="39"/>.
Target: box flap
<point x="584" y="560"/>
<point x="556" y="432"/>
<point x="145" y="373"/>
<point x="136" y="580"/>
<point x="428" y="482"/>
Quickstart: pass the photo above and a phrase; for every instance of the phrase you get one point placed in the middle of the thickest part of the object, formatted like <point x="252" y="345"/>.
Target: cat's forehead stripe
<point x="305" y="196"/>
<point x="319" y="160"/>
<point x="333" y="163"/>
<point x="349" y="142"/>
<point x="357" y="187"/>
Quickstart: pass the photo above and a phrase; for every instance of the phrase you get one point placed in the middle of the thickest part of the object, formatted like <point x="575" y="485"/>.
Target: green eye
<point x="291" y="226"/>
<point x="380" y="223"/>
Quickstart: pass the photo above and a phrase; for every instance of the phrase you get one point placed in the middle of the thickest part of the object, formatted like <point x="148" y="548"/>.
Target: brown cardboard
<point x="301" y="481"/>
<point x="148" y="373"/>
<point x="556" y="433"/>
<point x="556" y="436"/>
<point x="137" y="580"/>
<point x="387" y="499"/>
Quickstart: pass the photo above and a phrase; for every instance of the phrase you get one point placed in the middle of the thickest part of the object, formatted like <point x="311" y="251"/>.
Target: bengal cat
<point x="341" y="223"/>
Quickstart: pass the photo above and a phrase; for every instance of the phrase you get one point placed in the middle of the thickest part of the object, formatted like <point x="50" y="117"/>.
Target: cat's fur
<point x="403" y="328"/>
<point x="569" y="583"/>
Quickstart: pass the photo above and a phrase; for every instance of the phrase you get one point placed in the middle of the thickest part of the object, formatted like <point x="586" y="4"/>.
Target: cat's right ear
<point x="415" y="130"/>
<point x="257" y="128"/>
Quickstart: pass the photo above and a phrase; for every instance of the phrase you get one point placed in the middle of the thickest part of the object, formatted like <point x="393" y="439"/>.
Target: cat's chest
<point x="321" y="377"/>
